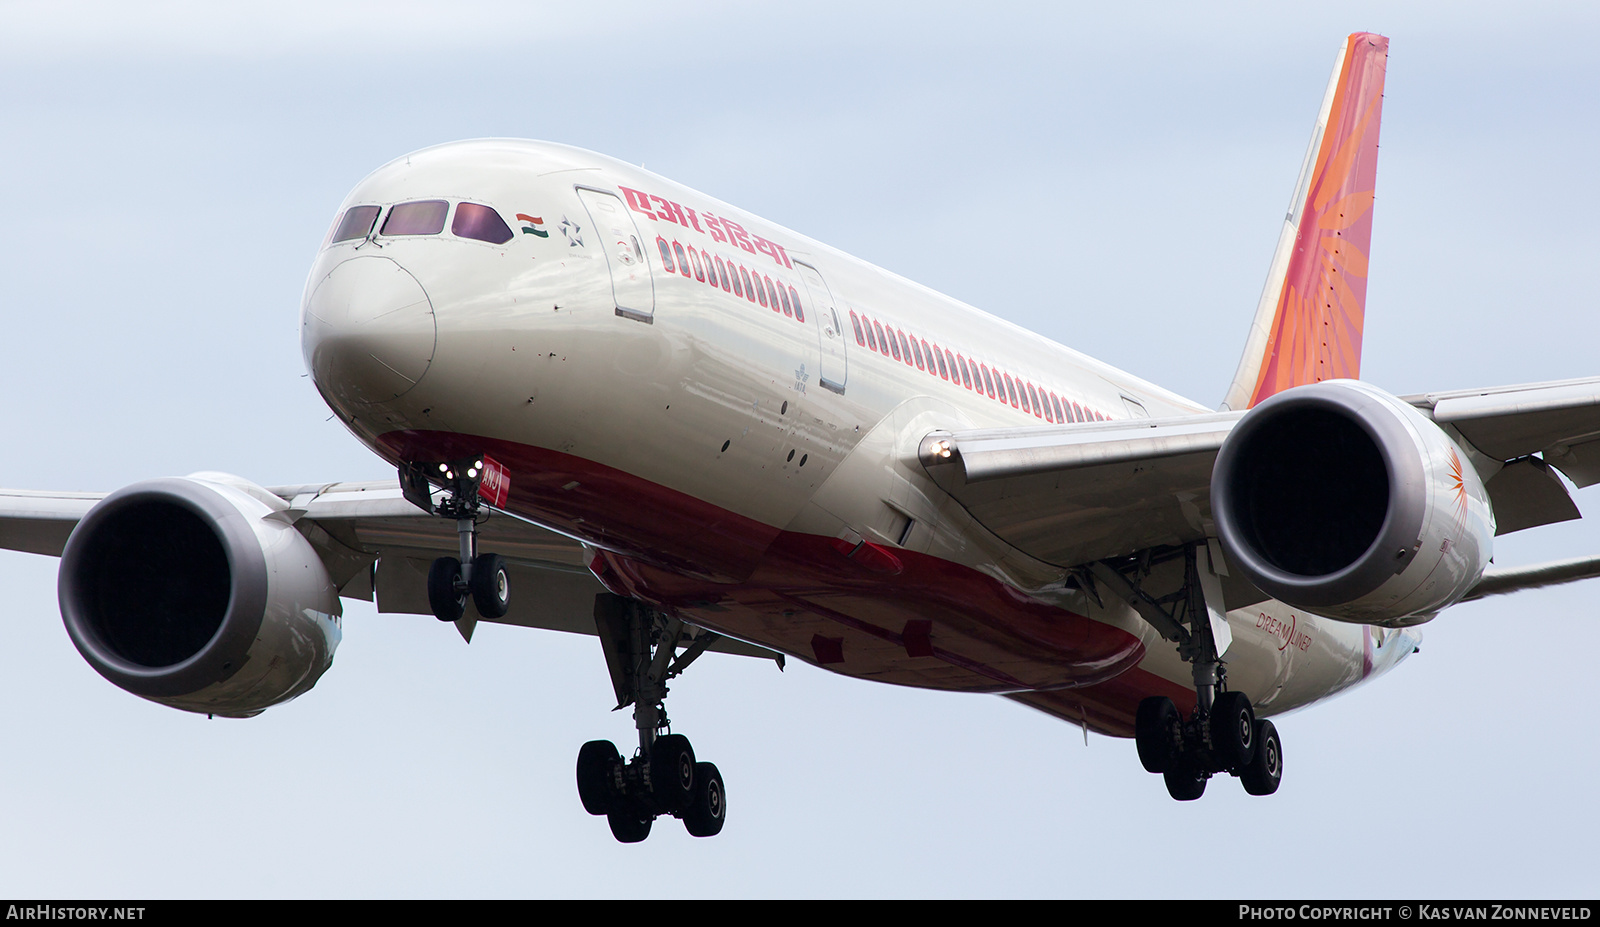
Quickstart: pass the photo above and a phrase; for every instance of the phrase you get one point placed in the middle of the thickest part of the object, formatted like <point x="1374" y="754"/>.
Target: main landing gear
<point x="663" y="777"/>
<point x="1223" y="734"/>
<point x="452" y="580"/>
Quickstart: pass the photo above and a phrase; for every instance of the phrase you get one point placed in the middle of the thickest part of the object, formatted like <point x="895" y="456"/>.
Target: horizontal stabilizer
<point x="1515" y="579"/>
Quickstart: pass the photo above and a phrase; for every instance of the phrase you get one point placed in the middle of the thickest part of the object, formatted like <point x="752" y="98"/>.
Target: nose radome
<point x="369" y="331"/>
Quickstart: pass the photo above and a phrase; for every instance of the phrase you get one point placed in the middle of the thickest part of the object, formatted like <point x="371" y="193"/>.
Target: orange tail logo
<point x="1316" y="331"/>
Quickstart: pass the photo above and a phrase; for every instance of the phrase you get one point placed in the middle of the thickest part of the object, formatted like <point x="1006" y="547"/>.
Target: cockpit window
<point x="423" y="217"/>
<point x="357" y="223"/>
<point x="481" y="223"/>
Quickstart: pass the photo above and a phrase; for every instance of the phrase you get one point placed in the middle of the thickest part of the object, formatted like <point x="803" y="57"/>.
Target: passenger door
<point x="631" y="285"/>
<point x="833" y="369"/>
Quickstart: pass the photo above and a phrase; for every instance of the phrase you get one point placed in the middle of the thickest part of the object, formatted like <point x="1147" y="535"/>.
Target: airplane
<point x="722" y="435"/>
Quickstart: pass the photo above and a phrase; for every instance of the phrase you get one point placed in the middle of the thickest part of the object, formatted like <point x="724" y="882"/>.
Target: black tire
<point x="628" y="825"/>
<point x="1152" y="732"/>
<point x="1185" y="785"/>
<point x="491" y="586"/>
<point x="1233" y="731"/>
<point x="1265" y="771"/>
<point x="672" y="773"/>
<point x="446" y="602"/>
<point x="597" y="760"/>
<point x="708" y="811"/>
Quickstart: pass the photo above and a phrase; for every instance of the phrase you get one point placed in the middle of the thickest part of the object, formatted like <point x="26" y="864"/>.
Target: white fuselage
<point x="723" y="455"/>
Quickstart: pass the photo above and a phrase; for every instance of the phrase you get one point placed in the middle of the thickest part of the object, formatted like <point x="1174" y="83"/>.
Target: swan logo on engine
<point x="1458" y="485"/>
<point x="1290" y="633"/>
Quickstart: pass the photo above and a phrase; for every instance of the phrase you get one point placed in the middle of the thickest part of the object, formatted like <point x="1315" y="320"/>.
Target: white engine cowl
<point x="197" y="594"/>
<point x="1345" y="501"/>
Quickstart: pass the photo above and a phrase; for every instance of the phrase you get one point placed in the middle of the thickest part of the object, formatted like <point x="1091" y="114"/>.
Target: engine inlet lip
<point x="1402" y="523"/>
<point x="229" y="645"/>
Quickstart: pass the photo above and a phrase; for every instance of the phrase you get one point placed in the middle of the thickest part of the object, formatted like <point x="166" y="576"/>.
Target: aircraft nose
<point x="369" y="333"/>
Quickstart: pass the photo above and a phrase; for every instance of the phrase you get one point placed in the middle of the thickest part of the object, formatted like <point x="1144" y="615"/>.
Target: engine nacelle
<point x="198" y="594"/>
<point x="1345" y="501"/>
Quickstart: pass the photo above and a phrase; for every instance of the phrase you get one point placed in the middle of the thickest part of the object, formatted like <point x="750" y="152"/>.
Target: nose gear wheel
<point x="452" y="581"/>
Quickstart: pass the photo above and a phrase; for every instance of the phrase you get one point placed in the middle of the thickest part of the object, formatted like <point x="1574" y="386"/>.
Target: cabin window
<point x="778" y="296"/>
<point x="749" y="291"/>
<point x="666" y="255"/>
<point x="916" y="353"/>
<point x="683" y="262"/>
<point x="357" y="223"/>
<point x="938" y="356"/>
<point x="722" y="274"/>
<point x="694" y="258"/>
<point x="961" y="365"/>
<point x="894" y="346"/>
<point x="855" y="323"/>
<point x="872" y="340"/>
<point x="1012" y="389"/>
<point x="988" y="384"/>
<point x="794" y="297"/>
<point x="928" y="353"/>
<point x="905" y="347"/>
<point x="1033" y="400"/>
<point x="733" y="274"/>
<point x="480" y="223"/>
<point x="1055" y="401"/>
<point x="423" y="217"/>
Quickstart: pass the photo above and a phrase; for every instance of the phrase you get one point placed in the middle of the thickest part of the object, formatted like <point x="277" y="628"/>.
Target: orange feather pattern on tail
<point x="1316" y="330"/>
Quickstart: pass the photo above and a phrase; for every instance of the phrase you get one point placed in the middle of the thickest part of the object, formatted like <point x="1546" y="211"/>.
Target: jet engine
<point x="199" y="594"/>
<point x="1345" y="501"/>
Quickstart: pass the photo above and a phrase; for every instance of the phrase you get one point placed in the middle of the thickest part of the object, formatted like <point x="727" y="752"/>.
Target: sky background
<point x="1112" y="178"/>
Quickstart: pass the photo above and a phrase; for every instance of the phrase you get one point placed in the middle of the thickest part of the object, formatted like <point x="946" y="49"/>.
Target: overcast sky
<point x="1115" y="180"/>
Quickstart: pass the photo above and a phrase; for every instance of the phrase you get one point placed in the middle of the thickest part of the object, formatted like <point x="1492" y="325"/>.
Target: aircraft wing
<point x="1072" y="494"/>
<point x="1075" y="494"/>
<point x="377" y="546"/>
<point x="1559" y="421"/>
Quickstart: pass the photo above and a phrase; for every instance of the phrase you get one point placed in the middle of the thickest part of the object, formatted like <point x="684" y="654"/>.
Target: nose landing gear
<point x="451" y="580"/>
<point x="663" y="777"/>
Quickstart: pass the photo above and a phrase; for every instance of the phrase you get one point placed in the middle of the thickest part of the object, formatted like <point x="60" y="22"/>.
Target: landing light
<point x="941" y="448"/>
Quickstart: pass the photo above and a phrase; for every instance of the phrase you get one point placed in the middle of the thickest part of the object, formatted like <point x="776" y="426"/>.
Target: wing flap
<point x="1074" y="494"/>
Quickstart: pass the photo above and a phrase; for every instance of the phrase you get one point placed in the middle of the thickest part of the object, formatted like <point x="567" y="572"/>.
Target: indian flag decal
<point x="532" y="225"/>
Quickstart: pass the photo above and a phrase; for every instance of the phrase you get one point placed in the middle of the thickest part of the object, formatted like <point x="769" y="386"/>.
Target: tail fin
<point x="1308" y="324"/>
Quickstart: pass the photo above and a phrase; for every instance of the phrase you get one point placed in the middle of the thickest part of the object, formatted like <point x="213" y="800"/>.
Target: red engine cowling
<point x="197" y="594"/>
<point x="1345" y="501"/>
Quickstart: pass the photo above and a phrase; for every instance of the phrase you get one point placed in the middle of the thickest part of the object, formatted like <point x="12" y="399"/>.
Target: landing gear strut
<point x="452" y="580"/>
<point x="663" y="777"/>
<point x="1223" y="734"/>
